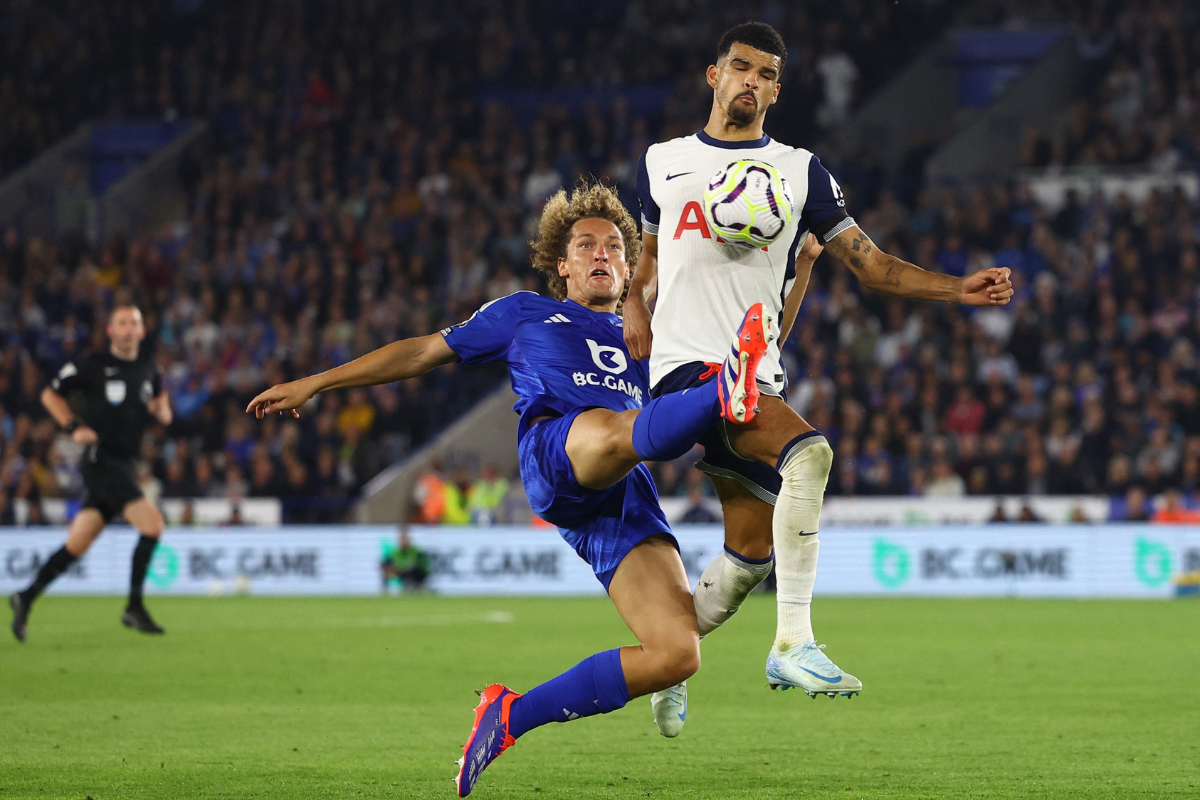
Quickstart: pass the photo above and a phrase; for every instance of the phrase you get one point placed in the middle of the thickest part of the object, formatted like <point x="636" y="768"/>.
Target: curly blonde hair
<point x="587" y="200"/>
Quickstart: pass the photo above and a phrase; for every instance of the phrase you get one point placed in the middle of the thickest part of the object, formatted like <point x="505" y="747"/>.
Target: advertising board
<point x="997" y="560"/>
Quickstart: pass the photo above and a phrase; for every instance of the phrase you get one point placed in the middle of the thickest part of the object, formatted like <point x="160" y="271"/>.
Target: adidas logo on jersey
<point x="556" y="318"/>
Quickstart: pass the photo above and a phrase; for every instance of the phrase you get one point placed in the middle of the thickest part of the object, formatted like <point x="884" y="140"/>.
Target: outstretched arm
<point x="397" y="361"/>
<point x="885" y="273"/>
<point x="642" y="291"/>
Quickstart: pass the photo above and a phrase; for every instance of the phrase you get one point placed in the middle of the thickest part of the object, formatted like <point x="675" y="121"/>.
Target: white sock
<point x="794" y="621"/>
<point x="726" y="582"/>
<point x="805" y="470"/>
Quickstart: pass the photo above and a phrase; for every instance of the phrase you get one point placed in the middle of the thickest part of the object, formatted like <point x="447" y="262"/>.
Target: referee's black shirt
<point x="113" y="395"/>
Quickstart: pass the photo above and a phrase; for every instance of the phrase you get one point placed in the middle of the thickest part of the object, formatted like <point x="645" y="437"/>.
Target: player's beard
<point x="739" y="113"/>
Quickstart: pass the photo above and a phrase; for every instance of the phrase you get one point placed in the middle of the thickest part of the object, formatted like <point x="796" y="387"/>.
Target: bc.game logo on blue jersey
<point x="602" y="353"/>
<point x="613" y="361"/>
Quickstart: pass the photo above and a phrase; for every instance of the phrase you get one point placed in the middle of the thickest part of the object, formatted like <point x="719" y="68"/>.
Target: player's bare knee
<point x="603" y="439"/>
<point x="680" y="661"/>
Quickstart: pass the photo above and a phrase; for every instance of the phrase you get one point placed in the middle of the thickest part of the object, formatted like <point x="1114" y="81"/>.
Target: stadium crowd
<point x="67" y="62"/>
<point x="356" y="192"/>
<point x="1144" y="106"/>
<point x="359" y="191"/>
<point x="1087" y="383"/>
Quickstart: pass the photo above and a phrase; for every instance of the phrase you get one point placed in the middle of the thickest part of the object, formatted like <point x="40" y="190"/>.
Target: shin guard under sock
<point x="595" y="685"/>
<point x="668" y="426"/>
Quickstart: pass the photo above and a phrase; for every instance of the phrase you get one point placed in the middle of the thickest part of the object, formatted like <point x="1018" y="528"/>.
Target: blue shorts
<point x="719" y="458"/>
<point x="602" y="525"/>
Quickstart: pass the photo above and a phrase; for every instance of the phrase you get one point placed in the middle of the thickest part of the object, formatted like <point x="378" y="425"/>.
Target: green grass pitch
<point x="331" y="698"/>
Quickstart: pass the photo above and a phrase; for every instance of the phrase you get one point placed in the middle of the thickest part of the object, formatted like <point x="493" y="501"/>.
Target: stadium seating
<point x="1141" y="110"/>
<point x="358" y="192"/>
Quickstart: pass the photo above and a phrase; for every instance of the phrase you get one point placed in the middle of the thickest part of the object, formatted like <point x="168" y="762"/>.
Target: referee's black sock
<point x="141" y="562"/>
<point x="56" y="565"/>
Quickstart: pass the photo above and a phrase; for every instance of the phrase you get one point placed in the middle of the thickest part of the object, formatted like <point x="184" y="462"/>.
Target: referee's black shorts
<point x="111" y="483"/>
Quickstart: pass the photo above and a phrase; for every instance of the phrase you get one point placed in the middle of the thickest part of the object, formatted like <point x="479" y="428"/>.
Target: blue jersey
<point x="561" y="355"/>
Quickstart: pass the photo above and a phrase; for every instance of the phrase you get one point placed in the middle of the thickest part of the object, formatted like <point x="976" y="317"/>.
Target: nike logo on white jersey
<point x="556" y="318"/>
<point x="110" y="371"/>
<point x="677" y="175"/>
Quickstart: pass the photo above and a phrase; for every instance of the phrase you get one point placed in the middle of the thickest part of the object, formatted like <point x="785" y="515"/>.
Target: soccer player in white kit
<point x="702" y="287"/>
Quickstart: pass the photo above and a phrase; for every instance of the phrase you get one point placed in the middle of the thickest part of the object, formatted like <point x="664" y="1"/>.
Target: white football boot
<point x="808" y="668"/>
<point x="670" y="709"/>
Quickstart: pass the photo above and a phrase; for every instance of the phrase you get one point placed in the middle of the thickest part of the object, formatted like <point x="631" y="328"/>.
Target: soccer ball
<point x="748" y="203"/>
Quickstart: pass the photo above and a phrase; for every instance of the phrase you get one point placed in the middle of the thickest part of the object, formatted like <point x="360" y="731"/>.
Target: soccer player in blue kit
<point x="587" y="424"/>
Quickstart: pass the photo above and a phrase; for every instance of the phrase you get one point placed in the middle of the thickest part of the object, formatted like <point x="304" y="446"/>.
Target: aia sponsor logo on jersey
<point x="692" y="219"/>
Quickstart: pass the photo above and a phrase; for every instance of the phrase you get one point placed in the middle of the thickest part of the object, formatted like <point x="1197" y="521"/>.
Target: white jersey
<point x="705" y="285"/>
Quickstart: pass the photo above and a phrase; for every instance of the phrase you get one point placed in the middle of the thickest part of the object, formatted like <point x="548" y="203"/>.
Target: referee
<point x="119" y="393"/>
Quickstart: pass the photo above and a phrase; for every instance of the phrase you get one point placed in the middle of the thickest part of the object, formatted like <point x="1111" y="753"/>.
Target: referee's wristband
<point x="71" y="426"/>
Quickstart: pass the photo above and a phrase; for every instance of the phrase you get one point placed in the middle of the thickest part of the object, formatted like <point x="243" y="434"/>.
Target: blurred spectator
<point x="945" y="481"/>
<point x="358" y="414"/>
<point x="1028" y="515"/>
<point x="429" y="496"/>
<point x="7" y="513"/>
<point x="35" y="516"/>
<point x="71" y="203"/>
<point x="965" y="414"/>
<point x="1137" y="505"/>
<point x="486" y="496"/>
<point x="236" y="487"/>
<point x="440" y="501"/>
<point x="697" y="512"/>
<point x="407" y="564"/>
<point x="838" y="76"/>
<point x="456" y="511"/>
<point x="235" y="517"/>
<point x="1173" y="510"/>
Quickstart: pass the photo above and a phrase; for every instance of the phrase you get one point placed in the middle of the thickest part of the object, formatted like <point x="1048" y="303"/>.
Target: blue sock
<point x="668" y="426"/>
<point x="595" y="685"/>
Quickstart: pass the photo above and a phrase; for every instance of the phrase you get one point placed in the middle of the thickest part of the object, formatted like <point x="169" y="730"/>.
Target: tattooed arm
<point x="884" y="273"/>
